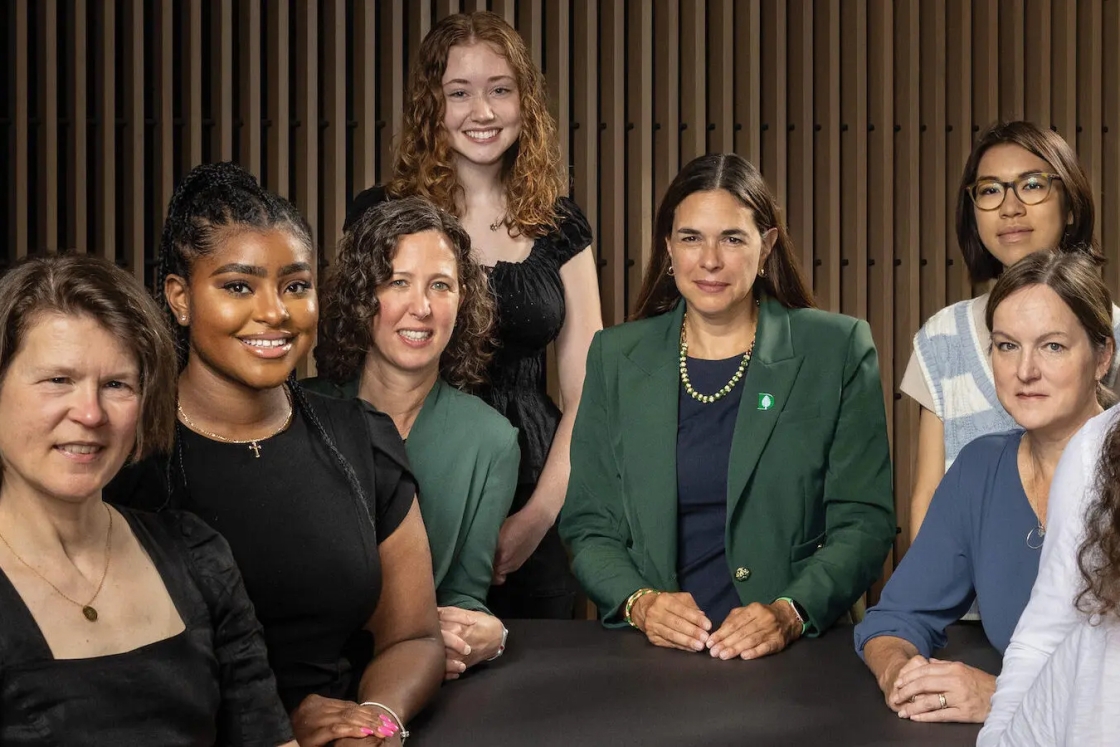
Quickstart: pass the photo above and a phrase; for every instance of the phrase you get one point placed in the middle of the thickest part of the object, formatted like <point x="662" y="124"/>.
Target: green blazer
<point x="810" y="513"/>
<point x="464" y="456"/>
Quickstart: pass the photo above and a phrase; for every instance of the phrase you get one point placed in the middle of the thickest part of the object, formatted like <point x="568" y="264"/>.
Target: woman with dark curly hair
<point x="405" y="325"/>
<point x="313" y="494"/>
<point x="478" y="141"/>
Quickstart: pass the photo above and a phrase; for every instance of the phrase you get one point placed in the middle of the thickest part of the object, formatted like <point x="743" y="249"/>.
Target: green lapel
<point x="767" y="385"/>
<point x="648" y="386"/>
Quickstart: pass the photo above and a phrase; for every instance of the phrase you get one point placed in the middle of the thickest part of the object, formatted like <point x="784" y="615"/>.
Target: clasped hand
<point x="917" y="691"/>
<point x="673" y="620"/>
<point x="468" y="638"/>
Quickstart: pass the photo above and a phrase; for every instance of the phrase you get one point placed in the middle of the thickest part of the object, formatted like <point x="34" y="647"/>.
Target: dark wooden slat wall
<point x="860" y="114"/>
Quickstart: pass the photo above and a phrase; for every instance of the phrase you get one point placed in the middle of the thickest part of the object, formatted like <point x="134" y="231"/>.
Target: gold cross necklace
<point x="253" y="443"/>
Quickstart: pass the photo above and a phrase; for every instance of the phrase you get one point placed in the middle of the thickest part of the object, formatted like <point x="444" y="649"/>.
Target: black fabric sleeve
<point x="363" y="201"/>
<point x="140" y="485"/>
<point x="574" y="231"/>
<point x="395" y="486"/>
<point x="251" y="713"/>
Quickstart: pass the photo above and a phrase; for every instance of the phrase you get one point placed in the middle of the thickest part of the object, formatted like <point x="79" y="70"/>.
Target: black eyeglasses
<point x="1030" y="189"/>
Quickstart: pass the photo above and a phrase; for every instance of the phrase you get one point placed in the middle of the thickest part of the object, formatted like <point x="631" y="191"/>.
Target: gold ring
<point x="941" y="699"/>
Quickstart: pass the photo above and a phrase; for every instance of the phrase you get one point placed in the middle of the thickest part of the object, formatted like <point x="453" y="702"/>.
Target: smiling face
<point x="417" y="306"/>
<point x="251" y="307"/>
<point x="482" y="106"/>
<point x="1015" y="230"/>
<point x="69" y="403"/>
<point x="1045" y="369"/>
<point x="716" y="252"/>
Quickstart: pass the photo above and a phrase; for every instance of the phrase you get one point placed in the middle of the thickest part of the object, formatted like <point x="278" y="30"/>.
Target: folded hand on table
<point x="755" y="630"/>
<point x="468" y="638"/>
<point x="938" y="690"/>
<point x="671" y="620"/>
<point x="319" y="721"/>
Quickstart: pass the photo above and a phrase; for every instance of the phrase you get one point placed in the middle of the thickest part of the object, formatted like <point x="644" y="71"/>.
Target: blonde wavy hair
<point x="532" y="171"/>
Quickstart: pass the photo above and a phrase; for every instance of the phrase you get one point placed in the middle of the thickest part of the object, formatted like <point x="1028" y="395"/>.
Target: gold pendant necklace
<point x="707" y="399"/>
<point x="253" y="443"/>
<point x="88" y="610"/>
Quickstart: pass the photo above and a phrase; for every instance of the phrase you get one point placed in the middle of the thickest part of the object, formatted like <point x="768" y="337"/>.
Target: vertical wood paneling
<point x="251" y="81"/>
<point x="79" y="170"/>
<point x="793" y="182"/>
<point x="666" y="98"/>
<point x="720" y="72"/>
<point x="1037" y="57"/>
<point x="748" y="80"/>
<point x="853" y="158"/>
<point x="21" y="213"/>
<point x="135" y="135"/>
<point x="640" y="180"/>
<point x="775" y="89"/>
<point x="364" y="87"/>
<point x="50" y="125"/>
<point x="193" y="87"/>
<point x="907" y="241"/>
<point x="694" y="73"/>
<point x="880" y="206"/>
<point x="222" y="80"/>
<point x="105" y="199"/>
<point x="933" y="215"/>
<point x="860" y="114"/>
<point x="611" y="236"/>
<point x="1012" y="66"/>
<point x="826" y="176"/>
<point x="334" y="134"/>
<point x="278" y="136"/>
<point x="1063" y="68"/>
<point x="958" y="117"/>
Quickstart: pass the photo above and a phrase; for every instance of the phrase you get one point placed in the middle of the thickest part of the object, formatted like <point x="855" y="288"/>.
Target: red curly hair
<point x="532" y="170"/>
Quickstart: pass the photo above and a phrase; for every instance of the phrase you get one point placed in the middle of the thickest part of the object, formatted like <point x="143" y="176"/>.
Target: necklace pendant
<point x="255" y="448"/>
<point x="90" y="613"/>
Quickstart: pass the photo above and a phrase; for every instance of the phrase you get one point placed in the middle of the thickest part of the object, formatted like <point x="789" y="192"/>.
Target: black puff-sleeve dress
<point x="307" y="549"/>
<point x="531" y="312"/>
<point x="209" y="685"/>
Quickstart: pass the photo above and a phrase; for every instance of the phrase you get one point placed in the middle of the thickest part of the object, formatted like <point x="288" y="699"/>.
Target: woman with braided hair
<point x="313" y="494"/>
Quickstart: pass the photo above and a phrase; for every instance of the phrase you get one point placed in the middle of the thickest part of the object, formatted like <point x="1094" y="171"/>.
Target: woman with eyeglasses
<point x="1023" y="191"/>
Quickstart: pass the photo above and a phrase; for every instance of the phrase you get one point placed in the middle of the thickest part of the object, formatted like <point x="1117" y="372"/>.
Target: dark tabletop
<point x="575" y="683"/>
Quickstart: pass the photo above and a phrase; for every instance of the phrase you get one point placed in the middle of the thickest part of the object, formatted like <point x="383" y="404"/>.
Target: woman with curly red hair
<point x="478" y="141"/>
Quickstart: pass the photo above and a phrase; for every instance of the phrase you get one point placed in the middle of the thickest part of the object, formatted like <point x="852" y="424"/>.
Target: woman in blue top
<point x="1050" y="319"/>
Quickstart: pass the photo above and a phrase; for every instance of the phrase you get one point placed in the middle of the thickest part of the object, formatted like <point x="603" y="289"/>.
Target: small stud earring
<point x="670" y="273"/>
<point x="762" y="272"/>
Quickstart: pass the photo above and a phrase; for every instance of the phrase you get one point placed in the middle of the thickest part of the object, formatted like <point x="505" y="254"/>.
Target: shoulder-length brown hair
<point x="348" y="297"/>
<point x="82" y="286"/>
<point x="1076" y="279"/>
<point x="736" y="175"/>
<point x="1074" y="190"/>
<point x="532" y="171"/>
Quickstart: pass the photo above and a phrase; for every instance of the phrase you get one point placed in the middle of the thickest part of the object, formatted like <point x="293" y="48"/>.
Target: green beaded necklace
<point x="707" y="399"/>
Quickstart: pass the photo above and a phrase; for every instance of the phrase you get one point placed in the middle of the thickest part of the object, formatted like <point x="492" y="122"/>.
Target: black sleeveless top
<point x="209" y="685"/>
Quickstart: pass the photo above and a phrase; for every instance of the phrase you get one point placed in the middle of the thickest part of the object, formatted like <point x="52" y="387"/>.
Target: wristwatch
<point x="502" y="645"/>
<point x="798" y="610"/>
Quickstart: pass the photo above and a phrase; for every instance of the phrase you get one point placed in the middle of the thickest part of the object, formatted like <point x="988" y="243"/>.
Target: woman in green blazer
<point x="405" y="324"/>
<point x="731" y="480"/>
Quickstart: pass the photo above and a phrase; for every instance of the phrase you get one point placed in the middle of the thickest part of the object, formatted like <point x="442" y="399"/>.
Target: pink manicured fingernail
<point x="385" y="718"/>
<point x="367" y="732"/>
<point x="383" y="731"/>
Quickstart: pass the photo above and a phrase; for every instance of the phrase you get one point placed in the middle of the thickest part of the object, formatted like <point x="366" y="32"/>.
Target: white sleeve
<point x="1050" y="614"/>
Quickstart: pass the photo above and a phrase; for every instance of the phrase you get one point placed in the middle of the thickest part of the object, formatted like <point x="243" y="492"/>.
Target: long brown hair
<point x="734" y="174"/>
<point x="532" y="172"/>
<point x="1098" y="558"/>
<point x="1074" y="190"/>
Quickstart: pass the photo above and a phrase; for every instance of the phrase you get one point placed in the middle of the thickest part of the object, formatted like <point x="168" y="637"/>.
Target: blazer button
<point x="742" y="574"/>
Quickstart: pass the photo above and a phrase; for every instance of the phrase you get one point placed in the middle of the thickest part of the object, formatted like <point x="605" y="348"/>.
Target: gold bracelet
<point x="633" y="598"/>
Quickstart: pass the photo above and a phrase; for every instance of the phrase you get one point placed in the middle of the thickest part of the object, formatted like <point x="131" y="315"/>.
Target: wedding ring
<point x="941" y="699"/>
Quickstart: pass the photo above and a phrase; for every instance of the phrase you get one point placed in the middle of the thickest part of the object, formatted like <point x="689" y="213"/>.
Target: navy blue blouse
<point x="704" y="433"/>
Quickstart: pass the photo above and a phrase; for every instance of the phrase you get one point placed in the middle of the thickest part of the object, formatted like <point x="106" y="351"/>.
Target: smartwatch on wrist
<point x="798" y="611"/>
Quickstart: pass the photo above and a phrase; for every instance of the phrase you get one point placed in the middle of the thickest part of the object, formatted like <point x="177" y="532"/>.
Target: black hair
<point x="211" y="203"/>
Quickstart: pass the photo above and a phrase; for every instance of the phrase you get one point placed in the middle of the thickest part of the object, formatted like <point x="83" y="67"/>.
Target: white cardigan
<point x="1060" y="683"/>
